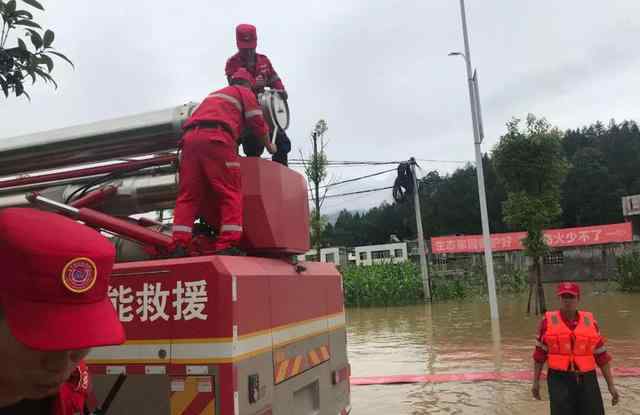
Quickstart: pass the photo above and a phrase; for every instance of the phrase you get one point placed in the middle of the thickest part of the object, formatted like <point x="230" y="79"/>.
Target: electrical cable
<point x="376" y="163"/>
<point x="446" y="161"/>
<point x="346" y="163"/>
<point x="357" y="178"/>
<point x="358" y="192"/>
<point x="354" y="179"/>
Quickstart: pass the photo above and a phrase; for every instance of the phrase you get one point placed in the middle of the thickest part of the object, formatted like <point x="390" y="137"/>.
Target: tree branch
<point x="6" y="28"/>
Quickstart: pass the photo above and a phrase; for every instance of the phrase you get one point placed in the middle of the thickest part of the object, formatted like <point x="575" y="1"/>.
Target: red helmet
<point x="246" y="36"/>
<point x="242" y="73"/>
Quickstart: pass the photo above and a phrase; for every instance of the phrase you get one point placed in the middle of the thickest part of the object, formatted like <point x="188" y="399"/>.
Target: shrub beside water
<point x="401" y="284"/>
<point x="628" y="275"/>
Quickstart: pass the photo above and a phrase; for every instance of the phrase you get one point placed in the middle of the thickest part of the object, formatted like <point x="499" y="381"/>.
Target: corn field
<point x="401" y="284"/>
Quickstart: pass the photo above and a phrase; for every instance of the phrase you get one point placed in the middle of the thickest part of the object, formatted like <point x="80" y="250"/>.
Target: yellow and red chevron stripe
<point x="319" y="355"/>
<point x="288" y="368"/>
<point x="192" y="395"/>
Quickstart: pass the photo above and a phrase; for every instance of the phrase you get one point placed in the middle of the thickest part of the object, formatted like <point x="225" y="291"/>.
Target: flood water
<point x="457" y="337"/>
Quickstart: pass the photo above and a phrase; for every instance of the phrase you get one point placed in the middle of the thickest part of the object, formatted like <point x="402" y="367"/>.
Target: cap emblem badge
<point x="79" y="275"/>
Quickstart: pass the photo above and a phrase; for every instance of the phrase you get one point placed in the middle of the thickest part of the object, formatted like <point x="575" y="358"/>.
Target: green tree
<point x="315" y="168"/>
<point x="21" y="61"/>
<point x="589" y="193"/>
<point x="530" y="163"/>
<point x="620" y="144"/>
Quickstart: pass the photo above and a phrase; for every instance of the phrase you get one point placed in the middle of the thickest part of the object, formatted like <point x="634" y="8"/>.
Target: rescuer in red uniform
<point x="210" y="185"/>
<point x="570" y="342"/>
<point x="53" y="309"/>
<point x="258" y="65"/>
<point x="262" y="70"/>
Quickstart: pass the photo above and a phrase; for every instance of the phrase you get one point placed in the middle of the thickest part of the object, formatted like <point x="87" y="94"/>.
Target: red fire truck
<point x="231" y="335"/>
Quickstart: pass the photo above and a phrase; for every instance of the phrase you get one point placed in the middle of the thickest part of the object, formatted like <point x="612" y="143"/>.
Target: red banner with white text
<point x="556" y="238"/>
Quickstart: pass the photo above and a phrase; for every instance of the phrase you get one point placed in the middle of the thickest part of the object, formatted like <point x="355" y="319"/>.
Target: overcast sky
<point x="377" y="71"/>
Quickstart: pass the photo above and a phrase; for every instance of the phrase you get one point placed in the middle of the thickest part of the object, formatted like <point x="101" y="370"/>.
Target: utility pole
<point x="476" y="118"/>
<point x="316" y="185"/>
<point x="426" y="285"/>
<point x="316" y="173"/>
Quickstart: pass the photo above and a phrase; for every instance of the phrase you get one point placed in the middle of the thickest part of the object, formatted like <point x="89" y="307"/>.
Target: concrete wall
<point x="577" y="264"/>
<point x="584" y="264"/>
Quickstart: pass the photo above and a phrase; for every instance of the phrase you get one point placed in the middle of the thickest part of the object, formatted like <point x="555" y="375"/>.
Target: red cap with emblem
<point x="568" y="288"/>
<point x="53" y="286"/>
<point x="246" y="36"/>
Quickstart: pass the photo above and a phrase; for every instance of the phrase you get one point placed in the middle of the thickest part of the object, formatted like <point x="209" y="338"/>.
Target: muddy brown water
<point x="457" y="337"/>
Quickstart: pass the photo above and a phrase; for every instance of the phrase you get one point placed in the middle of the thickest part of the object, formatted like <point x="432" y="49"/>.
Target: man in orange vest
<point x="570" y="342"/>
<point x="53" y="308"/>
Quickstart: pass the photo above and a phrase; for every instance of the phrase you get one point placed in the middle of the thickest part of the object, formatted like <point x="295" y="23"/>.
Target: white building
<point x="381" y="254"/>
<point x="362" y="255"/>
<point x="335" y="255"/>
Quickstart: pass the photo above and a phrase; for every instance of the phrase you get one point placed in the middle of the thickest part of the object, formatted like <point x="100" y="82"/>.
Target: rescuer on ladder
<point x="210" y="185"/>
<point x="53" y="308"/>
<point x="570" y="342"/>
<point x="260" y="67"/>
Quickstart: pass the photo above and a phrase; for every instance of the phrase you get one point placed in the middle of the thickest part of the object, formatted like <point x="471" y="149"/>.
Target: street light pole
<point x="477" y="121"/>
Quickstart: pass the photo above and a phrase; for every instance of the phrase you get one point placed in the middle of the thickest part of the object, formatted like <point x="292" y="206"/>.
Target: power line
<point x="359" y="192"/>
<point x="357" y="178"/>
<point x="347" y="162"/>
<point x="379" y="162"/>
<point x="351" y="163"/>
<point x="446" y="161"/>
<point x="332" y="166"/>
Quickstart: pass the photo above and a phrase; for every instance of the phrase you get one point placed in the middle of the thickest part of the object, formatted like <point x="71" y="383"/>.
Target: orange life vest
<point x="571" y="350"/>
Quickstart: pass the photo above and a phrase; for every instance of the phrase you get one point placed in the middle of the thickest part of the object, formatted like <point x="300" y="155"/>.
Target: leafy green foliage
<point x="20" y="62"/>
<point x="530" y="159"/>
<point x="605" y="162"/>
<point x="317" y="224"/>
<point x="381" y="285"/>
<point x="315" y="168"/>
<point x="590" y="194"/>
<point x="531" y="165"/>
<point x="401" y="284"/>
<point x="629" y="271"/>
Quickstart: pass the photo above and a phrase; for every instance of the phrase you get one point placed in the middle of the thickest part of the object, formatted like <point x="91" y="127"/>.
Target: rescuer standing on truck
<point x="210" y="185"/>
<point x="570" y="342"/>
<point x="258" y="65"/>
<point x="53" y="308"/>
<point x="262" y="70"/>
